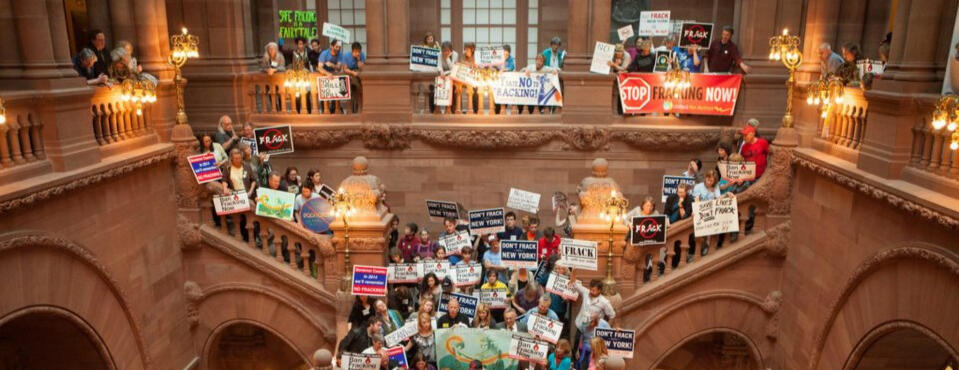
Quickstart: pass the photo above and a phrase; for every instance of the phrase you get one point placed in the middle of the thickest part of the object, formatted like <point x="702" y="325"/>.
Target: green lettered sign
<point x="295" y="23"/>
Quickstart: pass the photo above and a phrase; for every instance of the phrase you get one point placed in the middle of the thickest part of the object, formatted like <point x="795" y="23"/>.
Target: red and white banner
<point x="707" y="94"/>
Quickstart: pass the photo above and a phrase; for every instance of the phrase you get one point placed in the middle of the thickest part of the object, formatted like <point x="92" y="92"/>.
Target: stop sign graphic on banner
<point x="649" y="227"/>
<point x="635" y="92"/>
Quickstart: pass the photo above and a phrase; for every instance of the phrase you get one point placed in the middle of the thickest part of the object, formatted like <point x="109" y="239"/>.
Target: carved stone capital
<point x="777" y="239"/>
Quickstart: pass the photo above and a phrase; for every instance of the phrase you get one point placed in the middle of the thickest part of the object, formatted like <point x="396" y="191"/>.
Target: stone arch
<point x="690" y="317"/>
<point x="207" y="350"/>
<point x="879" y="332"/>
<point x="63" y="316"/>
<point x="65" y="277"/>
<point x="922" y="276"/>
<point x="223" y="304"/>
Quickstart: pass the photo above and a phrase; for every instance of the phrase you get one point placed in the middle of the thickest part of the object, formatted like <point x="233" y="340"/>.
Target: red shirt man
<point x="548" y="244"/>
<point x="754" y="149"/>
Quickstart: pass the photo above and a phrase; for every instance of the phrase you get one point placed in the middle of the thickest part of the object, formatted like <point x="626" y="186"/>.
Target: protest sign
<point x="524" y="348"/>
<point x="369" y="280"/>
<point x="204" y="167"/>
<point x="695" y="34"/>
<point x="467" y="274"/>
<point x="677" y="25"/>
<point x="455" y="242"/>
<point x="648" y="230"/>
<point x="274" y="140"/>
<point x="333" y="88"/>
<point x="495" y="298"/>
<point x="442" y="209"/>
<point x="490" y="56"/>
<point x="541" y="268"/>
<point x="707" y="94"/>
<point x="397" y="358"/>
<point x="487" y="221"/>
<point x="543" y="327"/>
<point x="336" y="32"/>
<point x="442" y="91"/>
<point x="404" y="273"/>
<point x="403" y="332"/>
<point x="519" y="253"/>
<point x="274" y="203"/>
<point x="438" y="268"/>
<point x="559" y="285"/>
<point x="876" y="67"/>
<point x="487" y="346"/>
<point x="618" y="342"/>
<point x="251" y="142"/>
<point x="715" y="216"/>
<point x="520" y="88"/>
<point x="602" y="53"/>
<point x="315" y="214"/>
<point x="229" y="204"/>
<point x="737" y="171"/>
<point x="467" y="303"/>
<point x="464" y="74"/>
<point x="671" y="183"/>
<point x="358" y="361"/>
<point x="654" y="23"/>
<point x="326" y="192"/>
<point x="625" y="32"/>
<point x="523" y="200"/>
<point x="662" y="61"/>
<point x="424" y="59"/>
<point x="297" y="23"/>
<point x="579" y="254"/>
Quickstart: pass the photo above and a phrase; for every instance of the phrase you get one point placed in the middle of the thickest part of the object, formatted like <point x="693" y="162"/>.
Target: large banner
<point x="518" y="88"/>
<point x="229" y="204"/>
<point x="708" y="94"/>
<point x="579" y="254"/>
<point x="315" y="215"/>
<point x="333" y="88"/>
<point x="519" y="253"/>
<point x="487" y="221"/>
<point x="618" y="342"/>
<point x="274" y="203"/>
<point x="369" y="280"/>
<point x="654" y="23"/>
<point x="715" y="216"/>
<point x="696" y="34"/>
<point x="671" y="184"/>
<point x="457" y="347"/>
<point x="204" y="167"/>
<point x="424" y="59"/>
<point x="294" y="23"/>
<point x="649" y="230"/>
<point x="274" y="140"/>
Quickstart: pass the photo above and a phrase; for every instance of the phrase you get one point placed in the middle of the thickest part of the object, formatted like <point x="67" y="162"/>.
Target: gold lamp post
<point x="785" y="48"/>
<point x="342" y="206"/>
<point x="614" y="210"/>
<point x="946" y="116"/>
<point x="182" y="48"/>
<point x="138" y="92"/>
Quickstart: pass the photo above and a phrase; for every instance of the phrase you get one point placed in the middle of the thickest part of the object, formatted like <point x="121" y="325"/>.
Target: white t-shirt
<point x="590" y="303"/>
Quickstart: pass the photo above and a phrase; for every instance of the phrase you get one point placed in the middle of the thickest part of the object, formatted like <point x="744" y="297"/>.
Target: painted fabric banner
<point x="516" y="88"/>
<point x="708" y="94"/>
<point x="456" y="347"/>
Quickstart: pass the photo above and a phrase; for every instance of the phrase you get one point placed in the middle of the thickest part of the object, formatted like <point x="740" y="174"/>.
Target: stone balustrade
<point x="115" y="120"/>
<point x="21" y="137"/>
<point x="269" y="95"/>
<point x="844" y="123"/>
<point x="467" y="100"/>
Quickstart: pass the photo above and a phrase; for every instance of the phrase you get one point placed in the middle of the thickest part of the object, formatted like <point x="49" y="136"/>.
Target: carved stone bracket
<point x="386" y="137"/>
<point x="194" y="294"/>
<point x="772" y="302"/>
<point x="777" y="240"/>
<point x="324" y="138"/>
<point x="669" y="140"/>
<point x="587" y="138"/>
<point x="189" y="233"/>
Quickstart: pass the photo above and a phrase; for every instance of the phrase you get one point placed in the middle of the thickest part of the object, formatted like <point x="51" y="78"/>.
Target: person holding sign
<point x="390" y="319"/>
<point x="378" y="347"/>
<point x="352" y="64"/>
<point x="423" y="340"/>
<point x="644" y="59"/>
<point x="238" y="175"/>
<point x="679" y="206"/>
<point x="542" y="309"/>
<point x="552" y="55"/>
<point x="587" y="341"/>
<point x="754" y="149"/>
<point x="592" y="299"/>
<point x="509" y="322"/>
<point x="452" y="317"/>
<point x="329" y="61"/>
<point x="620" y="59"/>
<point x="687" y="58"/>
<point x="272" y="60"/>
<point x="360" y="337"/>
<point x="526" y="299"/>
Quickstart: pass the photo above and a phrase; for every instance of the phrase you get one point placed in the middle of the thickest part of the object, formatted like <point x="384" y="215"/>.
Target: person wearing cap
<point x="754" y="149"/>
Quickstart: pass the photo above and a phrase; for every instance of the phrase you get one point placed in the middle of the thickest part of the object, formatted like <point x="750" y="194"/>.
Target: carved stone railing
<point x="467" y="100"/>
<point x="21" y="137"/>
<point x="268" y="95"/>
<point x="844" y="123"/>
<point x="930" y="147"/>
<point x="296" y="249"/>
<point x="114" y="120"/>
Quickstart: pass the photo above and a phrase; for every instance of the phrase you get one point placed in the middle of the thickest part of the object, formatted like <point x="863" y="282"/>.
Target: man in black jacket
<point x="98" y="43"/>
<point x="452" y="317"/>
<point x="360" y="338"/>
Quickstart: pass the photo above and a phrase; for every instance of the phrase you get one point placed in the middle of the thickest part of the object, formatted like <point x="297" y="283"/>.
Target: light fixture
<point x="785" y="48"/>
<point x="614" y="210"/>
<point x="3" y="113"/>
<point x="182" y="48"/>
<point x="297" y="78"/>
<point x="341" y="204"/>
<point x="138" y="92"/>
<point x="946" y="116"/>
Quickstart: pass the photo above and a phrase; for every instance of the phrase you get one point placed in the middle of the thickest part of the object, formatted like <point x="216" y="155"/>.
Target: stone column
<point x="912" y="68"/>
<point x="152" y="43"/>
<point x="121" y="22"/>
<point x="35" y="41"/>
<point x="821" y="25"/>
<point x="386" y="80"/>
<point x="61" y="44"/>
<point x="98" y="17"/>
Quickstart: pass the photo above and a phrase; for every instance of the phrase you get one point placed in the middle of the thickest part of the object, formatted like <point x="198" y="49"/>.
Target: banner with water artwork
<point x="457" y="347"/>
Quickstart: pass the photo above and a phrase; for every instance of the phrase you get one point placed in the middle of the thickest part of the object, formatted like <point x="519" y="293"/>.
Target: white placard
<point x="737" y="171"/>
<point x="455" y="242"/>
<point x="442" y="91"/>
<point x="463" y="74"/>
<point x="602" y="53"/>
<point x="398" y="335"/>
<point x="236" y="202"/>
<point x="524" y="348"/>
<point x="490" y="56"/>
<point x="467" y="274"/>
<point x="404" y="273"/>
<point x="559" y="285"/>
<point x="333" y="31"/>
<point x="545" y="328"/>
<point x="523" y="200"/>
<point x="654" y="23"/>
<point x="625" y="32"/>
<point x="579" y="254"/>
<point x="357" y="361"/>
<point x="438" y="268"/>
<point x="495" y="298"/>
<point x="715" y="216"/>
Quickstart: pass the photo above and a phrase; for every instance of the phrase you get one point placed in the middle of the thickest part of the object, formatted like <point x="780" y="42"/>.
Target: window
<point x="532" y="32"/>
<point x="489" y="23"/>
<point x="349" y="14"/>
<point x="446" y="21"/>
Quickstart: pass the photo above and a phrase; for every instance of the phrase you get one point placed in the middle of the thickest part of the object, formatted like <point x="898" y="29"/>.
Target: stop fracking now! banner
<point x="707" y="94"/>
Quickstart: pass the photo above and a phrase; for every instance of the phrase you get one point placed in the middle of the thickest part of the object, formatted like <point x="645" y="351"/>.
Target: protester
<point x="408" y="243"/>
<point x="314" y="180"/>
<point x="390" y="319"/>
<point x="306" y="195"/>
<point x="301" y="56"/>
<point x="692" y="170"/>
<point x="238" y="175"/>
<point x="526" y="299"/>
<point x="679" y="206"/>
<point x="97" y="43"/>
<point x="512" y="232"/>
<point x="419" y="362"/>
<point x="668" y="44"/>
<point x="519" y="279"/>
<point x="632" y="46"/>
<point x="430" y="41"/>
<point x="353" y="63"/>
<point x="620" y="60"/>
<point x="754" y="149"/>
<point x="272" y="60"/>
<point x="425" y="248"/>
<point x="600" y="354"/>
<point x="313" y="55"/>
<point x="484" y="317"/>
<point x="448" y="57"/>
<point x="548" y="244"/>
<point x="431" y="285"/>
<point x="85" y="64"/>
<point x="848" y="71"/>
<point x="592" y="299"/>
<point x="688" y="58"/>
<point x="493" y="260"/>
<point x="723" y="54"/>
<point x="378" y="347"/>
<point x="260" y="163"/>
<point x="587" y="330"/>
<point x="509" y="322"/>
<point x="553" y="57"/>
<point x="291" y="180"/>
<point x="207" y="145"/>
<point x="644" y="60"/>
<point x="560" y="359"/>
<point x="225" y="134"/>
<point x="452" y="317"/>
<point x="361" y="311"/>
<point x="360" y="337"/>
<point x="829" y="61"/>
<point x="423" y="340"/>
<point x="394" y="235"/>
<point x="542" y="309"/>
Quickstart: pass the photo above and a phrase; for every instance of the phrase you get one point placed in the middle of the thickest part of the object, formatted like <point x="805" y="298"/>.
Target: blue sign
<point x="467" y="303"/>
<point x="397" y="357"/>
<point x="618" y="342"/>
<point x="671" y="183"/>
<point x="369" y="280"/>
<point x="204" y="167"/>
<point x="519" y="253"/>
<point x="315" y="214"/>
<point x="424" y="59"/>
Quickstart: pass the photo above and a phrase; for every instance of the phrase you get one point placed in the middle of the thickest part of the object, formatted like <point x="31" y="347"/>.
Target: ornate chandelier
<point x="825" y="92"/>
<point x="138" y="92"/>
<point x="946" y="116"/>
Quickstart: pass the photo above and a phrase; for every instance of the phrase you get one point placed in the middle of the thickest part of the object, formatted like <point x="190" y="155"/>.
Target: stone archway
<point x="711" y="350"/>
<point x="908" y="286"/>
<point x="902" y="345"/>
<point x="243" y="345"/>
<point x="30" y="336"/>
<point x="54" y="276"/>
